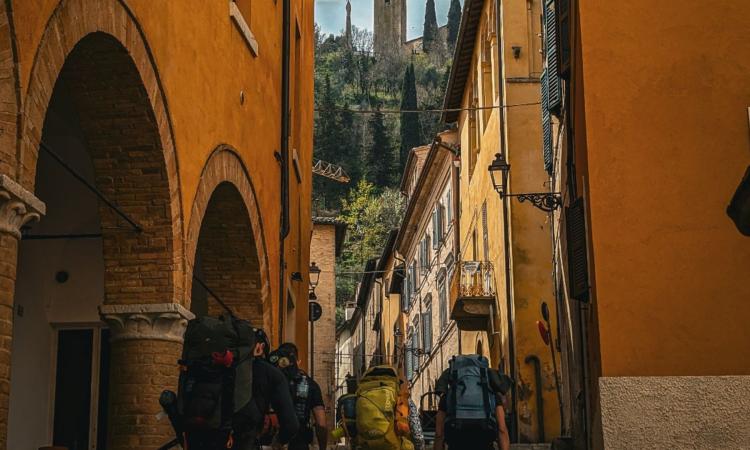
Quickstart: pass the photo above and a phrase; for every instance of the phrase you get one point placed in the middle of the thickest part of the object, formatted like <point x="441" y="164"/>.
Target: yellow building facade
<point x="652" y="146"/>
<point x="198" y="188"/>
<point x="505" y="247"/>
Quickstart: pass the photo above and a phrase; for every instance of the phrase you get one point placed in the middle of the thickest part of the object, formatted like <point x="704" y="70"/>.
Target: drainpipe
<point x="506" y="226"/>
<point x="533" y="359"/>
<point x="284" y="229"/>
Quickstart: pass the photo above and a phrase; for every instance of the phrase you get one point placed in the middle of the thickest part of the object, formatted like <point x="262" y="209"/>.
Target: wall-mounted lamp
<point x="499" y="171"/>
<point x="296" y="276"/>
<point x="314" y="276"/>
<point x="516" y="51"/>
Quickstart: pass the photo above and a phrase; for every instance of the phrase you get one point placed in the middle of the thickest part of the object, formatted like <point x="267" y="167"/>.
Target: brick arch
<point x="9" y="93"/>
<point x="216" y="215"/>
<point x="102" y="57"/>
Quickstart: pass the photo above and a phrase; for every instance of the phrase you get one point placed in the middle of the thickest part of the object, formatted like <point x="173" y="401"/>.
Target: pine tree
<point x="454" y="23"/>
<point x="410" y="127"/>
<point x="379" y="169"/>
<point x="430" y="33"/>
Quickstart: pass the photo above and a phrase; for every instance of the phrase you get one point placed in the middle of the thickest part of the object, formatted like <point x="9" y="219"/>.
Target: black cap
<point x="262" y="338"/>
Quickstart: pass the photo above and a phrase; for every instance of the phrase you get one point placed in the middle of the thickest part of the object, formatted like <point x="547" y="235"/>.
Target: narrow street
<point x="374" y="225"/>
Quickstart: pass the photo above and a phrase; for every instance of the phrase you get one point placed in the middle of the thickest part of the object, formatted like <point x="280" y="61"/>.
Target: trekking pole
<point x="545" y="315"/>
<point x="171" y="444"/>
<point x="216" y="297"/>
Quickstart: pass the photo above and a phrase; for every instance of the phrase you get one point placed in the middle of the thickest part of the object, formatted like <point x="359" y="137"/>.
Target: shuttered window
<point x="408" y="360"/>
<point x="563" y="28"/>
<point x="578" y="270"/>
<point x="436" y="234"/>
<point x="442" y="301"/>
<point x="427" y="324"/>
<point x="554" y="94"/>
<point x="546" y="124"/>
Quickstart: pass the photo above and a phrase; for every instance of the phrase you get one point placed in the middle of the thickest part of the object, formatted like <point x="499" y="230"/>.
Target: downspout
<point x="284" y="229"/>
<point x="506" y="225"/>
<point x="533" y="359"/>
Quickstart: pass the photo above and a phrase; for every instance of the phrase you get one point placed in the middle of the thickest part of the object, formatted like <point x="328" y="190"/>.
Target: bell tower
<point x="389" y="32"/>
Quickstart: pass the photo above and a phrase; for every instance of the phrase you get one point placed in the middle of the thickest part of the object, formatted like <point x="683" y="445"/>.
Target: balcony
<point x="473" y="294"/>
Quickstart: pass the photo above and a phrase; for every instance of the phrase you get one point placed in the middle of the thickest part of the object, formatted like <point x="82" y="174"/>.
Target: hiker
<point x="306" y="397"/>
<point x="269" y="393"/>
<point x="225" y="386"/>
<point x="470" y="411"/>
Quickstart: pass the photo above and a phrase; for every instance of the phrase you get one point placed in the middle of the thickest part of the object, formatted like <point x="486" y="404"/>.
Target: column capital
<point x="155" y="321"/>
<point x="17" y="207"/>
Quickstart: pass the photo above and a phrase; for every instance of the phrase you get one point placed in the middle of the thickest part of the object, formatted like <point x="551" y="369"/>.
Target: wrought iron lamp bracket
<point x="545" y="201"/>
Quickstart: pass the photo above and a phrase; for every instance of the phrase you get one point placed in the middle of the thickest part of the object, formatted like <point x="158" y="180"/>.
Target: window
<point x="412" y="282"/>
<point x="427" y="324"/>
<point x="241" y="12"/>
<point x="442" y="300"/>
<point x="448" y="206"/>
<point x="424" y="255"/>
<point x="416" y="344"/>
<point x="485" y="232"/>
<point x="408" y="360"/>
<point x="436" y="234"/>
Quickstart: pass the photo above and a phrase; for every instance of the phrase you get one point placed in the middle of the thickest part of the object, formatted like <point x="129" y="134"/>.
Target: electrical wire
<point x="410" y="111"/>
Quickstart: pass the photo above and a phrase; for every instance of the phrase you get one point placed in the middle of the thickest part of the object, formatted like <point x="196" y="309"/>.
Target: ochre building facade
<point x="171" y="114"/>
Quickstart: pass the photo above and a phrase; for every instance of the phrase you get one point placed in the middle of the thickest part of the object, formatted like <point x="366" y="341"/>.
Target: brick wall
<point x="124" y="144"/>
<point x="140" y="371"/>
<point x="228" y="256"/>
<point x="322" y="252"/>
<point x="8" y="252"/>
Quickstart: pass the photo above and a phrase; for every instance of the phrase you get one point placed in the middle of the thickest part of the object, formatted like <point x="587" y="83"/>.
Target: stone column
<point x="17" y="207"/>
<point x="146" y="344"/>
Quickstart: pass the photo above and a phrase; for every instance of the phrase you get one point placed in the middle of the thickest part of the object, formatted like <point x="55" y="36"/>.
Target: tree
<point x="454" y="23"/>
<point x="411" y="129"/>
<point x="430" y="33"/>
<point x="380" y="158"/>
<point x="369" y="217"/>
<point x="327" y="138"/>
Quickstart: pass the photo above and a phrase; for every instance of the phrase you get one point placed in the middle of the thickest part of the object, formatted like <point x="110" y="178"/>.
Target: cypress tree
<point x="430" y="33"/>
<point x="410" y="127"/>
<point x="379" y="161"/>
<point x="326" y="140"/>
<point x="454" y="23"/>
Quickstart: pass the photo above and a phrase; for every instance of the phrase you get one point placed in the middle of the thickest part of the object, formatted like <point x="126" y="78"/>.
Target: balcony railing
<point x="473" y="295"/>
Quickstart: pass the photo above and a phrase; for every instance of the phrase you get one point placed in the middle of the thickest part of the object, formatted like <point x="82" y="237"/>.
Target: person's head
<point x="287" y="355"/>
<point x="262" y="345"/>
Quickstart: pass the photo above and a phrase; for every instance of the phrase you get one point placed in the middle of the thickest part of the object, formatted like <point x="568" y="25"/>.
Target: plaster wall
<point x="529" y="229"/>
<point x="42" y="305"/>
<point x="667" y="138"/>
<point x="701" y="412"/>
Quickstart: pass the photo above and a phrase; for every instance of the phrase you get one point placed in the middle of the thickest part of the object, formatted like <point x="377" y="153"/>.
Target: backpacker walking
<point x="381" y="412"/>
<point x="225" y="387"/>
<point x="306" y="397"/>
<point x="470" y="412"/>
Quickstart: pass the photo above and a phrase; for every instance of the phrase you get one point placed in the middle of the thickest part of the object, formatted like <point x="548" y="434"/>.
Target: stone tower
<point x="348" y="23"/>
<point x="389" y="26"/>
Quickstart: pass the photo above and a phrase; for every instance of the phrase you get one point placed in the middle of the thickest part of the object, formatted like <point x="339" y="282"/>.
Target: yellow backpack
<point x="382" y="411"/>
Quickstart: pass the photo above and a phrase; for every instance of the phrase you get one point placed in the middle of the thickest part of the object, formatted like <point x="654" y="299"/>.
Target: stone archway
<point x="225" y="243"/>
<point x="105" y="63"/>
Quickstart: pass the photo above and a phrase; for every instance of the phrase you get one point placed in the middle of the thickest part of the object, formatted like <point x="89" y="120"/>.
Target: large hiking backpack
<point x="216" y="378"/>
<point x="470" y="400"/>
<point x="381" y="412"/>
<point x="299" y="388"/>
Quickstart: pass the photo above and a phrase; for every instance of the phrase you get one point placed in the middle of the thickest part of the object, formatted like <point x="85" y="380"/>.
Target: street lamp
<point x="314" y="276"/>
<point x="313" y="307"/>
<point x="499" y="171"/>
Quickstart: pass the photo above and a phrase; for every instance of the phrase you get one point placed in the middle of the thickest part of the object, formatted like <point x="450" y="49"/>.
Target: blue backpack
<point x="470" y="401"/>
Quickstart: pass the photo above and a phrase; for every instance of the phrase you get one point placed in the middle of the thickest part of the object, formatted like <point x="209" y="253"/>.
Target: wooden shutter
<point x="550" y="45"/>
<point x="563" y="28"/>
<point x="436" y="228"/>
<point x="546" y="123"/>
<point x="578" y="270"/>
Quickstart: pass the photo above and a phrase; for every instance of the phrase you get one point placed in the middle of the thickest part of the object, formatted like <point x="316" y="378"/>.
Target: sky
<point x="331" y="15"/>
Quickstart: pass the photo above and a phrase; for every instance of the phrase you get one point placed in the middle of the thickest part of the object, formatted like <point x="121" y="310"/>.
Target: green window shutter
<point x="554" y="100"/>
<point x="578" y="264"/>
<point x="546" y="123"/>
<point x="563" y="27"/>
